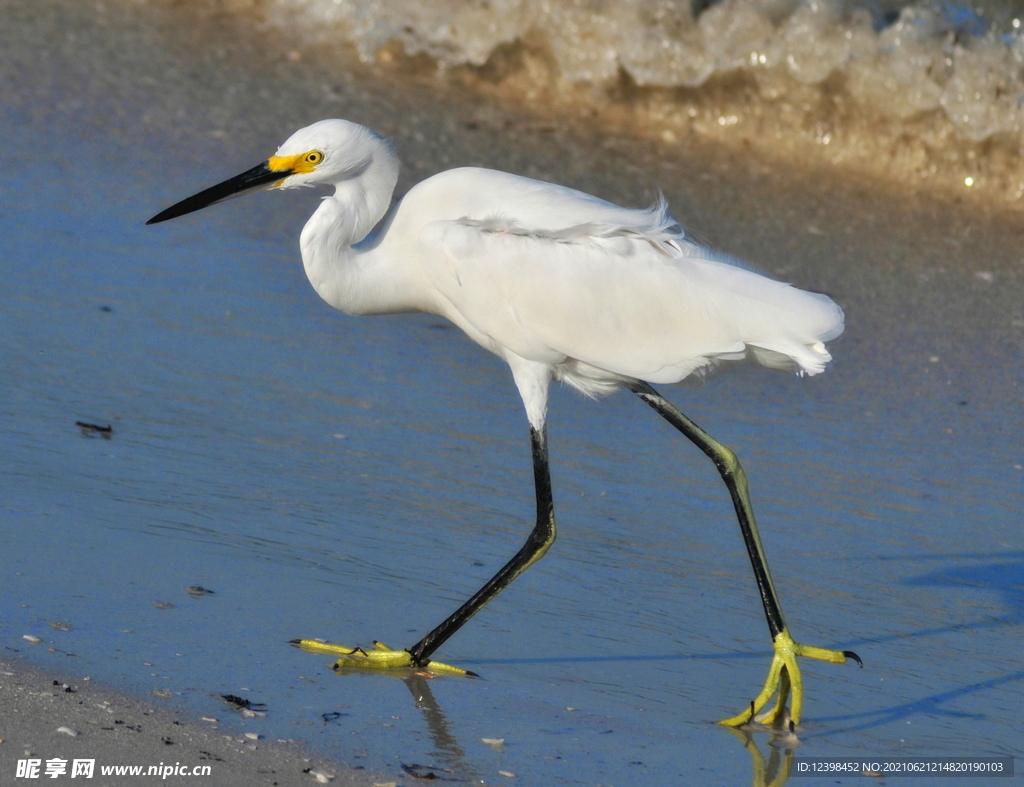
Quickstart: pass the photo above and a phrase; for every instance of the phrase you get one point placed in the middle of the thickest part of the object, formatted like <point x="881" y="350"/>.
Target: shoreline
<point x="53" y="715"/>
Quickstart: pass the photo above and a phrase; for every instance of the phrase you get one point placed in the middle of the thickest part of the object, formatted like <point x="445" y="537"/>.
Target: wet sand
<point x="46" y="716"/>
<point x="165" y="101"/>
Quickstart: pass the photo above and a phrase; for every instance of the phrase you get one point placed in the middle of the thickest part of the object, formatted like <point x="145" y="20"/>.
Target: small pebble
<point x="321" y="777"/>
<point x="163" y="605"/>
<point x="91" y="430"/>
<point x="210" y="719"/>
<point x="253" y="736"/>
<point x="68" y="731"/>
<point x="30" y="638"/>
<point x="198" y="590"/>
<point x="507" y="774"/>
<point x="494" y="743"/>
<point x="61" y="626"/>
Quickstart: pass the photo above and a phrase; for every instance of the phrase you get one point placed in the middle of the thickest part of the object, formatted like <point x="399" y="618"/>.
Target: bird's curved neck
<point x="347" y="268"/>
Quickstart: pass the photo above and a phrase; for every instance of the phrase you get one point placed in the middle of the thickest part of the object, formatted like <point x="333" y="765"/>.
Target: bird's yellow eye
<point x="299" y="164"/>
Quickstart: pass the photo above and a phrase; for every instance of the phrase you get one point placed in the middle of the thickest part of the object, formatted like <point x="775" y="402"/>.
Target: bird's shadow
<point x="1000" y="573"/>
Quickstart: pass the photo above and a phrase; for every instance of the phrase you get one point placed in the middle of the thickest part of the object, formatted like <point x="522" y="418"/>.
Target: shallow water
<point x="357" y="479"/>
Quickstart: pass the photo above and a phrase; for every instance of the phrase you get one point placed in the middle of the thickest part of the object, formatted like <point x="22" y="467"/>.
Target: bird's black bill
<point x="255" y="179"/>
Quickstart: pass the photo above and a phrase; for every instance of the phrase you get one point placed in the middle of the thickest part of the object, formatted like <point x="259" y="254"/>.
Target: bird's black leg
<point x="784" y="674"/>
<point x="729" y="468"/>
<point x="539" y="541"/>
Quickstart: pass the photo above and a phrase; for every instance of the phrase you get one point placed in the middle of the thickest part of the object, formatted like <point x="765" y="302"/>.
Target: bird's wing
<point x="634" y="300"/>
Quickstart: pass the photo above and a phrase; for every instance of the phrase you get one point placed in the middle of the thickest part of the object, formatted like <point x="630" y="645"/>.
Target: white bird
<point x="561" y="285"/>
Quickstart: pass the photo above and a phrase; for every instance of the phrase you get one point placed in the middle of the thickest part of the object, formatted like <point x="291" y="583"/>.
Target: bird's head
<point x="327" y="152"/>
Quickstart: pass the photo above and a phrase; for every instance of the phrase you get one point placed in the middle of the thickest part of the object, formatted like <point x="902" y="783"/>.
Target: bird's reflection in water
<point x="775" y="771"/>
<point x="451" y="763"/>
<point x="446" y="747"/>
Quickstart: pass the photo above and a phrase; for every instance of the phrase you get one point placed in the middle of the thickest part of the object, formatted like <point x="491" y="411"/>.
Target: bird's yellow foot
<point x="784" y="678"/>
<point x="380" y="657"/>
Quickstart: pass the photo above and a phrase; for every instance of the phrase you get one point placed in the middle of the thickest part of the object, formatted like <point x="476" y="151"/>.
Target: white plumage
<point x="560" y="284"/>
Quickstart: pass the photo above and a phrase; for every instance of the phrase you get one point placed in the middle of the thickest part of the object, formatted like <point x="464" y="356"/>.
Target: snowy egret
<point x="562" y="286"/>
